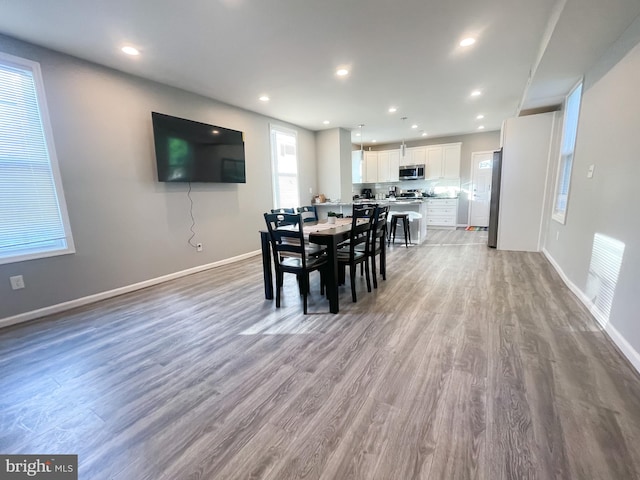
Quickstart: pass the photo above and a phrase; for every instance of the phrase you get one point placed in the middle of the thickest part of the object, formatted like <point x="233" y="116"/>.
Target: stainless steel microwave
<point x="411" y="172"/>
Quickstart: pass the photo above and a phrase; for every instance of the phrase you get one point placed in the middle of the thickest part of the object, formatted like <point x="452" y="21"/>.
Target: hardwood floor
<point x="466" y="363"/>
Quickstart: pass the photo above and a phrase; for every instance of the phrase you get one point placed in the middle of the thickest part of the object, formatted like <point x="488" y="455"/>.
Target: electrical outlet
<point x="17" y="282"/>
<point x="198" y="247"/>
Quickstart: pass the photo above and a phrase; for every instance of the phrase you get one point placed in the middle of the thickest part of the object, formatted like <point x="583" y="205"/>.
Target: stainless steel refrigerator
<point x="494" y="203"/>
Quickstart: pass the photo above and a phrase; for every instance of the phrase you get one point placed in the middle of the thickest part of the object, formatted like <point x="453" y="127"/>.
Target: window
<point x="284" y="158"/>
<point x="569" y="133"/>
<point x="33" y="216"/>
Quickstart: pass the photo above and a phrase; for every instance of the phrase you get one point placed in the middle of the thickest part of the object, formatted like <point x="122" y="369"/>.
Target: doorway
<point x="480" y="194"/>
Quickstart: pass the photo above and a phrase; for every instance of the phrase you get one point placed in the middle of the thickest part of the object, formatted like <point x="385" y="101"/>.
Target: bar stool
<point x="395" y="216"/>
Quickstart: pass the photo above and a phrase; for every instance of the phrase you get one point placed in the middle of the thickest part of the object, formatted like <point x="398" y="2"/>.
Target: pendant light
<point x="403" y="147"/>
<point x="361" y="139"/>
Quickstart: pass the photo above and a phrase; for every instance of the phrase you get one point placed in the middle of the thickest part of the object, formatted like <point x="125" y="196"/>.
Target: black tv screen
<point x="188" y="151"/>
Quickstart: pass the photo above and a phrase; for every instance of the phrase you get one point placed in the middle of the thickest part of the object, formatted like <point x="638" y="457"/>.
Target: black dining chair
<point x="289" y="253"/>
<point x="357" y="251"/>
<point x="377" y="246"/>
<point x="309" y="213"/>
<point x="282" y="210"/>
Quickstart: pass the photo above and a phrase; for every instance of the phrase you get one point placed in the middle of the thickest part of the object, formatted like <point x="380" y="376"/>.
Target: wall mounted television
<point x="188" y="151"/>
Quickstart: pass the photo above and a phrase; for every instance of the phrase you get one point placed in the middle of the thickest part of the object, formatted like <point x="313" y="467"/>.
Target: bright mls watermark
<point x="50" y="467"/>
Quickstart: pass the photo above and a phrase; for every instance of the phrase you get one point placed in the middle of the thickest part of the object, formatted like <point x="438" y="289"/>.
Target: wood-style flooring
<point x="467" y="363"/>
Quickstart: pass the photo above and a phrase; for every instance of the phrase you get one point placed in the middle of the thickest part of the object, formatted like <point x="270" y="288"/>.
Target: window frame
<point x="566" y="160"/>
<point x="34" y="68"/>
<point x="273" y="129"/>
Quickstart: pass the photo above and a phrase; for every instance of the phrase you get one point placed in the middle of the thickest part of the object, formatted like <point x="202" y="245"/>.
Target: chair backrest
<point x="379" y="224"/>
<point x="282" y="210"/>
<point x="360" y="228"/>
<point x="286" y="235"/>
<point x="309" y="213"/>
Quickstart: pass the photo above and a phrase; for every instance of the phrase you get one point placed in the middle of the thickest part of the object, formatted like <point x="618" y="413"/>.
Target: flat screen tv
<point x="188" y="151"/>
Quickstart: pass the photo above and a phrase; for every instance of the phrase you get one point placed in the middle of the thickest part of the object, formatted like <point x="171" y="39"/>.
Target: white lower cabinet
<point x="442" y="212"/>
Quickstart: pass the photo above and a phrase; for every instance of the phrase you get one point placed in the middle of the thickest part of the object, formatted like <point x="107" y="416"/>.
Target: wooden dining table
<point x="321" y="233"/>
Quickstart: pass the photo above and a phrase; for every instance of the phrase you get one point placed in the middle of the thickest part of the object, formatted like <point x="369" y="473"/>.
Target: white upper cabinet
<point x="388" y="165"/>
<point x="440" y="161"/>
<point x="371" y="167"/>
<point x="443" y="161"/>
<point x="357" y="167"/>
<point x="433" y="168"/>
<point x="451" y="160"/>
<point x="394" y="165"/>
<point x="414" y="156"/>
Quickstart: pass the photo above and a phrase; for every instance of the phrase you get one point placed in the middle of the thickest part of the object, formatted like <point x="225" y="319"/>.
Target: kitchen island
<point x="418" y="226"/>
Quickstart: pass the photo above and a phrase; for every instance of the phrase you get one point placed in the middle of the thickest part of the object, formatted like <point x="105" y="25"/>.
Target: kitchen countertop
<point x="402" y="201"/>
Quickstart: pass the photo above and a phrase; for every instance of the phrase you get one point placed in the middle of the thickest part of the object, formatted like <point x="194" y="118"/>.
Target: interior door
<point x="481" y="168"/>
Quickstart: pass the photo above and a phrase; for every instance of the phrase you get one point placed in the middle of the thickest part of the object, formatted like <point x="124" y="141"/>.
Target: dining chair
<point x="377" y="246"/>
<point x="282" y="210"/>
<point x="289" y="253"/>
<point x="309" y="213"/>
<point x="358" y="250"/>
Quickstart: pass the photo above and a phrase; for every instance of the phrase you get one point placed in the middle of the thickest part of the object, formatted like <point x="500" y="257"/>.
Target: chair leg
<point x="366" y="269"/>
<point x="352" y="273"/>
<point x="373" y="271"/>
<point x="304" y="280"/>
<point x="278" y="288"/>
<point x="383" y="261"/>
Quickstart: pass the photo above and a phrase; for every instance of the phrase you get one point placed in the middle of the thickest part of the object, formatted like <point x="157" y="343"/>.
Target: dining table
<point x="329" y="235"/>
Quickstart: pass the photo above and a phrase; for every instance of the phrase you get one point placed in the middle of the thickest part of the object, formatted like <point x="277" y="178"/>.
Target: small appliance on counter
<point x="366" y="193"/>
<point x="411" y="194"/>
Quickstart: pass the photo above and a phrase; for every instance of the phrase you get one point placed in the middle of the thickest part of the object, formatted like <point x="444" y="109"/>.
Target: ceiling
<point x="404" y="53"/>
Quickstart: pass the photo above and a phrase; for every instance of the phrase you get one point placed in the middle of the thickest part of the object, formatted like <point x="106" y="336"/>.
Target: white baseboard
<point x="61" y="307"/>
<point x="625" y="347"/>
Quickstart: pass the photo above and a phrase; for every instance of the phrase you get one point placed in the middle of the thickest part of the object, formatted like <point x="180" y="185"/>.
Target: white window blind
<point x="284" y="147"/>
<point x="569" y="133"/>
<point x="33" y="217"/>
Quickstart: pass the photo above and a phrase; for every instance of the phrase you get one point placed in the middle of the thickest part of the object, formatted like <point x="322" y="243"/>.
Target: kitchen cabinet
<point x="414" y="156"/>
<point x="371" y="167"/>
<point x="443" y="161"/>
<point x="388" y="165"/>
<point x="442" y="212"/>
<point x="451" y="160"/>
<point x="357" y="166"/>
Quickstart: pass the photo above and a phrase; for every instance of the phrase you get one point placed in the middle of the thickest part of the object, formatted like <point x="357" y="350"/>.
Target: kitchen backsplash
<point x="438" y="186"/>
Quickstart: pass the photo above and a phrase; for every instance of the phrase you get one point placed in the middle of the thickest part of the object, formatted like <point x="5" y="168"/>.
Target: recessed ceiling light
<point x="215" y="132"/>
<point x="467" y="42"/>
<point x="424" y="134"/>
<point x="264" y="98"/>
<point x="393" y="109"/>
<point x="414" y="126"/>
<point x="480" y="117"/>
<point x="476" y="93"/>
<point x="481" y="127"/>
<point x="374" y="141"/>
<point x="326" y="122"/>
<point x="341" y="72"/>
<point x="129" y="50"/>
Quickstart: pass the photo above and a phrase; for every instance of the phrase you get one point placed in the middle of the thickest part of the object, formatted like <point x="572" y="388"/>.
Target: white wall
<point x="333" y="154"/>
<point x="128" y="227"/>
<point x="525" y="164"/>
<point x="607" y="204"/>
